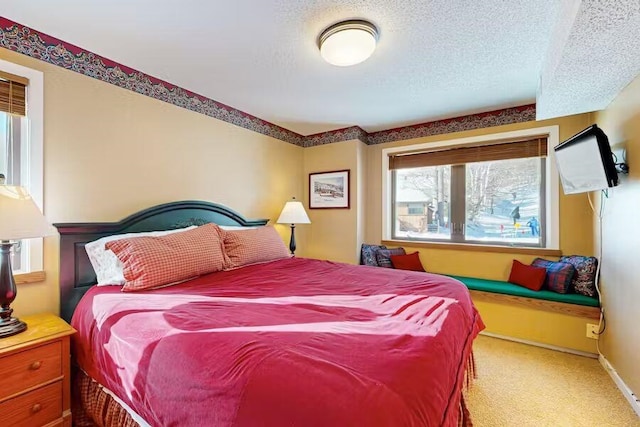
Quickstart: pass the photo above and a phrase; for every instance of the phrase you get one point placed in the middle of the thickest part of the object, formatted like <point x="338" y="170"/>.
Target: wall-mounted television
<point x="585" y="162"/>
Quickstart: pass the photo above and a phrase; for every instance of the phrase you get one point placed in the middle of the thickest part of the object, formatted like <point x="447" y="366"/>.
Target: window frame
<point x="549" y="178"/>
<point x="32" y="154"/>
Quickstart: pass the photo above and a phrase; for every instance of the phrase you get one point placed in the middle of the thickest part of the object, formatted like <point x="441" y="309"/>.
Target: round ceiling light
<point x="348" y="42"/>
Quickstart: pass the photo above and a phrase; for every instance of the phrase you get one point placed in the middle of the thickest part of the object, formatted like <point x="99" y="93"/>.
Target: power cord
<point x="602" y="323"/>
<point x="621" y="167"/>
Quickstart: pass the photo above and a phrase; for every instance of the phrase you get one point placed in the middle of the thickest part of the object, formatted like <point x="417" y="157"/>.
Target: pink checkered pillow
<point x="244" y="247"/>
<point x="152" y="262"/>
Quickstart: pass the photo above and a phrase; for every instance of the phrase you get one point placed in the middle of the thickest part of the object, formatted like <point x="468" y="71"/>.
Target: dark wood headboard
<point x="76" y="272"/>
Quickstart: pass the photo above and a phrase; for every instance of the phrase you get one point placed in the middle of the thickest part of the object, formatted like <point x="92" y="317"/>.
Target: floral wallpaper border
<point x="506" y="116"/>
<point x="27" y="41"/>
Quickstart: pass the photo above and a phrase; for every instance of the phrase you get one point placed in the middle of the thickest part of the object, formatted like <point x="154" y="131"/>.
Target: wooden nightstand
<point x="35" y="375"/>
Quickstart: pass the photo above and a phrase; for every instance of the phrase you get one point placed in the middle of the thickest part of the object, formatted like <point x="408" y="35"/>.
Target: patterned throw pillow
<point x="368" y="254"/>
<point x="245" y="247"/>
<point x="383" y="256"/>
<point x="155" y="261"/>
<point x="559" y="275"/>
<point x="584" y="281"/>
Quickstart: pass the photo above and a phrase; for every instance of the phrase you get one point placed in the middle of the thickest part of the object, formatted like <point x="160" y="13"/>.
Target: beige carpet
<point x="521" y="385"/>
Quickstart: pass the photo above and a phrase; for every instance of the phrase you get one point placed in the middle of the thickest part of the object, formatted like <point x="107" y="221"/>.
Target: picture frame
<point x="330" y="190"/>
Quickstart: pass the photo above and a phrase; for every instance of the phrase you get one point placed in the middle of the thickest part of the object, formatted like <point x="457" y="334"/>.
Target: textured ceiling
<point x="435" y="59"/>
<point x="595" y="53"/>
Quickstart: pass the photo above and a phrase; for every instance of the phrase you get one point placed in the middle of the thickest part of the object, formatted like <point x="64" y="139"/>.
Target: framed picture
<point x="329" y="190"/>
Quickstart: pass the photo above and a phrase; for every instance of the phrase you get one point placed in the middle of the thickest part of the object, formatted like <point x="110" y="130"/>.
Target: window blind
<point x="13" y="94"/>
<point x="536" y="147"/>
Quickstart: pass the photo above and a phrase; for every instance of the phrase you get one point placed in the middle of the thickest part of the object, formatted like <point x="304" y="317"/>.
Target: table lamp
<point x="20" y="218"/>
<point x="293" y="213"/>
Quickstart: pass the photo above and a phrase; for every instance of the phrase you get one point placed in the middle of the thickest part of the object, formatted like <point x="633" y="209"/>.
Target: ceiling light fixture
<point x="348" y="42"/>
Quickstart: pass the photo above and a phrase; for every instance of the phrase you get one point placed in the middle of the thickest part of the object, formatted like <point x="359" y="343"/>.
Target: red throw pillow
<point x="407" y="262"/>
<point x="527" y="275"/>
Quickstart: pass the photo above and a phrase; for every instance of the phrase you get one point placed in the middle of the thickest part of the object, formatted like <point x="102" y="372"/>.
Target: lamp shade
<point x="293" y="213"/>
<point x="20" y="217"/>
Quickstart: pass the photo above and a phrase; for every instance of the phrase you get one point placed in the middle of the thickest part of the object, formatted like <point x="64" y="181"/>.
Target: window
<point x="415" y="208"/>
<point x="21" y="112"/>
<point x="11" y="144"/>
<point x="488" y="192"/>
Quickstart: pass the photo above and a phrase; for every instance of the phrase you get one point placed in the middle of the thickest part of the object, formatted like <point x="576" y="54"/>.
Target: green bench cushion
<point x="507" y="288"/>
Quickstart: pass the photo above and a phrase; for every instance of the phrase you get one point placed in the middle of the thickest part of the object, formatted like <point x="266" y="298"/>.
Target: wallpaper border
<point x="30" y="42"/>
<point x="505" y="116"/>
<point x="27" y="41"/>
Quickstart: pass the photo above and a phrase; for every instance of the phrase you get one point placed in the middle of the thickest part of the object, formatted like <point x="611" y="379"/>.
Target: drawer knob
<point x="36" y="408"/>
<point x="35" y="366"/>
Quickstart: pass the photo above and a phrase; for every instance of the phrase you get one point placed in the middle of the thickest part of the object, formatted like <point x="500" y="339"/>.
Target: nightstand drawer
<point x="23" y="370"/>
<point x="36" y="408"/>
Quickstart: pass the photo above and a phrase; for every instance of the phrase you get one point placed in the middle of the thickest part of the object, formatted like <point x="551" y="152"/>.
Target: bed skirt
<point x="464" y="419"/>
<point x="93" y="406"/>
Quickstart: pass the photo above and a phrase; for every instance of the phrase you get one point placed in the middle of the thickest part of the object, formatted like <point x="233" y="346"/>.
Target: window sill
<point x="33" y="277"/>
<point x="475" y="248"/>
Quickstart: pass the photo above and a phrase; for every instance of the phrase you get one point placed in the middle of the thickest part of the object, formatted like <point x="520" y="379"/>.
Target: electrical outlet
<point x="592" y="331"/>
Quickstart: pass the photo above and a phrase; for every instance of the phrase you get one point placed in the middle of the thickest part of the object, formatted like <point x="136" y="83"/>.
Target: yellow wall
<point x="620" y="270"/>
<point x="555" y="329"/>
<point x="109" y="152"/>
<point x="363" y="153"/>
<point x="334" y="233"/>
<point x="575" y="214"/>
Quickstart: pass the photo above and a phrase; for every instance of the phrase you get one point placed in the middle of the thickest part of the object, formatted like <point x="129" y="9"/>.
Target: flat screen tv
<point x="585" y="162"/>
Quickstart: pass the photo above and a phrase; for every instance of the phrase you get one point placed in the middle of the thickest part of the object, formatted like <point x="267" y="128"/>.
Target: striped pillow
<point x="559" y="275"/>
<point x="383" y="256"/>
<point x="244" y="247"/>
<point x="151" y="262"/>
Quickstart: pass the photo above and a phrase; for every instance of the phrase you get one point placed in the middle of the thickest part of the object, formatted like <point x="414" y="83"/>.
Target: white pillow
<point x="108" y="268"/>
<point x="238" y="227"/>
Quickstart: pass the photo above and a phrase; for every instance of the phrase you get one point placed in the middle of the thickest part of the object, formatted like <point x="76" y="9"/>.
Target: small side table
<point x="35" y="374"/>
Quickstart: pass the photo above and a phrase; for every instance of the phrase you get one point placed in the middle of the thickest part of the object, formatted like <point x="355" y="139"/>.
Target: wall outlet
<point x="592" y="331"/>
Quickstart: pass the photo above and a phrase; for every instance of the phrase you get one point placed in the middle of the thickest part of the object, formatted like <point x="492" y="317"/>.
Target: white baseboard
<point x="543" y="345"/>
<point x="626" y="391"/>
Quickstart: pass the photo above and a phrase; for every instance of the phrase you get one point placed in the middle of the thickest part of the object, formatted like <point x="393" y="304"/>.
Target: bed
<point x="290" y="342"/>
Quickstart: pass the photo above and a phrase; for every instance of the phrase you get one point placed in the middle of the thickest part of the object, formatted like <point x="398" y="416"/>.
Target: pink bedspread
<point x="296" y="342"/>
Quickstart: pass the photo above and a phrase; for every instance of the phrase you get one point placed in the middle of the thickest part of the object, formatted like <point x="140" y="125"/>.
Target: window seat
<point x="504" y="292"/>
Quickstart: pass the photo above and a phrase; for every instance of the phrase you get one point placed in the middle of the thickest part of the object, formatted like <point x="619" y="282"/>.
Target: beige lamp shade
<point x="293" y="213"/>
<point x="20" y="217"/>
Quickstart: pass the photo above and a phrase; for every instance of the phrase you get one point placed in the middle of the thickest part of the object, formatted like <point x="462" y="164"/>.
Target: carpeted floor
<point x="521" y="385"/>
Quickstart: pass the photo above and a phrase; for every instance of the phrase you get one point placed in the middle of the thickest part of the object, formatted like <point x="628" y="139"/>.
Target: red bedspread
<point x="296" y="342"/>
